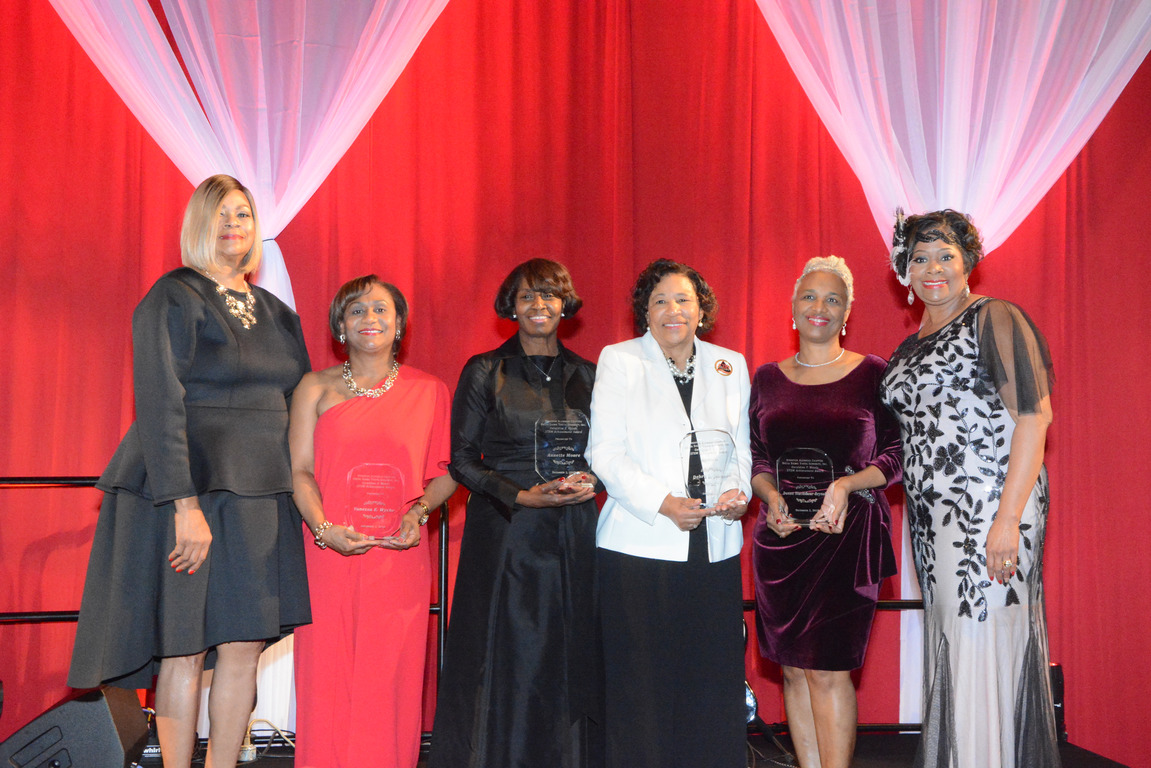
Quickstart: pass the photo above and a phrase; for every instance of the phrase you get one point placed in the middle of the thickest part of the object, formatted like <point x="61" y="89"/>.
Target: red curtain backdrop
<point x="604" y="135"/>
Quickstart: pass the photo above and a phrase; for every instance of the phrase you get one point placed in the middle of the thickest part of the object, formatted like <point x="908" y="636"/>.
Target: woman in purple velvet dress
<point x="816" y="586"/>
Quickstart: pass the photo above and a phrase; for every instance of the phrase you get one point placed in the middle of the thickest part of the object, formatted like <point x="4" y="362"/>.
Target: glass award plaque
<point x="561" y="439"/>
<point x="710" y="475"/>
<point x="802" y="476"/>
<point x="376" y="502"/>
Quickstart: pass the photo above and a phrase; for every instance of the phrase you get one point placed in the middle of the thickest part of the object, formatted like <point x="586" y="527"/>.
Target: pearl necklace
<point x="819" y="365"/>
<point x="688" y="372"/>
<point x="241" y="310"/>
<point x="359" y="391"/>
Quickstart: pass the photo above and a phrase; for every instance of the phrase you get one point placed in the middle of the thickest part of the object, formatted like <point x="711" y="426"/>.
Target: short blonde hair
<point x="201" y="225"/>
<point x="835" y="266"/>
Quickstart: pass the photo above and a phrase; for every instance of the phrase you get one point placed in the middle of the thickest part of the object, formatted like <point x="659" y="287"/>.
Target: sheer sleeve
<point x="473" y="403"/>
<point x="1015" y="355"/>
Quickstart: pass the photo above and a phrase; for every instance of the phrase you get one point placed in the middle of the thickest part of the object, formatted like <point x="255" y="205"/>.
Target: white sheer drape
<point x="977" y="106"/>
<point x="280" y="88"/>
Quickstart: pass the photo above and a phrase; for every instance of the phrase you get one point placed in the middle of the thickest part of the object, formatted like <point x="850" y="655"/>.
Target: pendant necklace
<point x="359" y="391"/>
<point x="546" y="374"/>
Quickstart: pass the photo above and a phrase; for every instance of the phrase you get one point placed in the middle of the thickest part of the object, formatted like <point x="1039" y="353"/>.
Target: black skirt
<point x="137" y="610"/>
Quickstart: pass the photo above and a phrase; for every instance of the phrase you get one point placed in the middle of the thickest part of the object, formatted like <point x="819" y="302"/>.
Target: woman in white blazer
<point x="671" y="599"/>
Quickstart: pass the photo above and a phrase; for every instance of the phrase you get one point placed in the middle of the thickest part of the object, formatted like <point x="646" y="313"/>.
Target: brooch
<point x="723" y="367"/>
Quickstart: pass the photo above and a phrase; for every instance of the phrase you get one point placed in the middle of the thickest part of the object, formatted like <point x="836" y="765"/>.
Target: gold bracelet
<point x="318" y="532"/>
<point x="427" y="511"/>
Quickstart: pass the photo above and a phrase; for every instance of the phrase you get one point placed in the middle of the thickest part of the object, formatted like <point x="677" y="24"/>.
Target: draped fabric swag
<point x="279" y="88"/>
<point x="978" y="107"/>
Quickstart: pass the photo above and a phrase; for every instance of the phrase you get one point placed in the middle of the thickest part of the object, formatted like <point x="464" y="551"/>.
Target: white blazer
<point x="637" y="423"/>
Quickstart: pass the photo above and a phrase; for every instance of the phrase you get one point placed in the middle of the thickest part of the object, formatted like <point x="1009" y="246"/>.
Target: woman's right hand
<point x="348" y="541"/>
<point x="687" y="514"/>
<point x="550" y="494"/>
<point x="778" y="519"/>
<point x="193" y="537"/>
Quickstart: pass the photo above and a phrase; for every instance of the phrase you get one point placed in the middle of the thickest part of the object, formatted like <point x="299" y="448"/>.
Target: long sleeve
<point x="888" y="442"/>
<point x="638" y="491"/>
<point x="165" y="331"/>
<point x="471" y="407"/>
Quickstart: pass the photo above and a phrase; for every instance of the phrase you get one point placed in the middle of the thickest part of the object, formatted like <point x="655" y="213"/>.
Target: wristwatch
<point x="426" y="514"/>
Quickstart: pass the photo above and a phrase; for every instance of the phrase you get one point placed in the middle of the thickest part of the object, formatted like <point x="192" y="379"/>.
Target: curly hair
<point x="354" y="289"/>
<point x="948" y="225"/>
<point x="833" y="265"/>
<point x="541" y="275"/>
<point x="658" y="270"/>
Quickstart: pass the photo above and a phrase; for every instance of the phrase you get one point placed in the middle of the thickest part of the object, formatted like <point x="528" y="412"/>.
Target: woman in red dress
<point x="370" y="449"/>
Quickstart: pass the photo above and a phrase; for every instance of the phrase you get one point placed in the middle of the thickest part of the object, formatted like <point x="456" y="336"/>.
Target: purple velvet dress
<point x="815" y="593"/>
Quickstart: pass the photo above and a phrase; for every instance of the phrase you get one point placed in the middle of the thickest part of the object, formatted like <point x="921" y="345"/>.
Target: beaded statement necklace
<point x="359" y="391"/>
<point x="819" y="365"/>
<point x="244" y="311"/>
<point x="688" y="372"/>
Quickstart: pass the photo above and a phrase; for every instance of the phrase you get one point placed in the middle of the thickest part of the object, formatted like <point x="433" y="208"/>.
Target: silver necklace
<point x="688" y="372"/>
<point x="819" y="365"/>
<point x="359" y="391"/>
<point x="546" y="374"/>
<point x="241" y="310"/>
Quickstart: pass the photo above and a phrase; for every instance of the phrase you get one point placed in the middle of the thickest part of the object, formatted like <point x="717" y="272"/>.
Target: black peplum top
<point x="211" y="396"/>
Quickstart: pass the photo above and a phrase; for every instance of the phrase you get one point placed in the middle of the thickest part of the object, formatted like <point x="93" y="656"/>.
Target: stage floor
<point x="873" y="750"/>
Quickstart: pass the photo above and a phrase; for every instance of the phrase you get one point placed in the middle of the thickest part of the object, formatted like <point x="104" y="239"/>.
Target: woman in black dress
<point x="520" y="684"/>
<point x="198" y="556"/>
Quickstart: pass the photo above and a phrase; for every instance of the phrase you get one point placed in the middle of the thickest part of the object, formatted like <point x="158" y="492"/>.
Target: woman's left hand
<point x="731" y="504"/>
<point x="1002" y="547"/>
<point x="408" y="535"/>
<point x="833" y="511"/>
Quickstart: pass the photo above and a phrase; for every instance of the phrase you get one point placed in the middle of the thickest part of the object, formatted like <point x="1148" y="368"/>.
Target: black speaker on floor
<point x="97" y="729"/>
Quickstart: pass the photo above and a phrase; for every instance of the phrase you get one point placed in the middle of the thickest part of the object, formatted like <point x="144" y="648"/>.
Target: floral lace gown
<point x="956" y="394"/>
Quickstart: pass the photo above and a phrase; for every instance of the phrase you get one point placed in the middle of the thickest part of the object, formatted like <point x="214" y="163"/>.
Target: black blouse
<point x="499" y="397"/>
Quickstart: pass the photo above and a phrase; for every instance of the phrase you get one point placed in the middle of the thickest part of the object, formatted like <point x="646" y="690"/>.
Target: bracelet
<point x="427" y="511"/>
<point x="318" y="532"/>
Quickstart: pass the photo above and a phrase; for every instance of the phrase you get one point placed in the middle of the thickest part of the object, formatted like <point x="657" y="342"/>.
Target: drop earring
<point x="343" y="339"/>
<point x="843" y="330"/>
<point x="793" y="324"/>
<point x="513" y="315"/>
<point x="910" y="296"/>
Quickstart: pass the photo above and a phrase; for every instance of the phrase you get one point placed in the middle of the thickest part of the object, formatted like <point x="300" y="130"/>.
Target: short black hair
<point x="658" y="270"/>
<point x="540" y="275"/>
